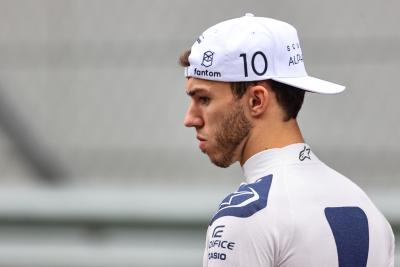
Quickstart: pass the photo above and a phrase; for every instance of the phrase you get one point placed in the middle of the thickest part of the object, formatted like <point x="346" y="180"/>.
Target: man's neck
<point x="271" y="136"/>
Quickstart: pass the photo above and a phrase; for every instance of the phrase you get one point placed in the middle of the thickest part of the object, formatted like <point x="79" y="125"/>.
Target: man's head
<point x="219" y="119"/>
<point x="226" y="115"/>
<point x="246" y="79"/>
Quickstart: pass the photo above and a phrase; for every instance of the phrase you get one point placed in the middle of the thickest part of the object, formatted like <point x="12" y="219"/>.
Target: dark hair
<point x="289" y="98"/>
<point x="184" y="59"/>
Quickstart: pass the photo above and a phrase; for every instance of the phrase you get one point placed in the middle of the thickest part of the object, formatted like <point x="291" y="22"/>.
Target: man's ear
<point x="258" y="97"/>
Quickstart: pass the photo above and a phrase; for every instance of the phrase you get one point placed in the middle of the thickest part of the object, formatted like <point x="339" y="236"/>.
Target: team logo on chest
<point x="247" y="200"/>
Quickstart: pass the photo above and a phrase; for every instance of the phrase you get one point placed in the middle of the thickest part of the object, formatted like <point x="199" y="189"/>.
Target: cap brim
<point x="312" y="84"/>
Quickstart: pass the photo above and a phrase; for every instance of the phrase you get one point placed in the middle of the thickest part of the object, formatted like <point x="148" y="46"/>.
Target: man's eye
<point x="204" y="100"/>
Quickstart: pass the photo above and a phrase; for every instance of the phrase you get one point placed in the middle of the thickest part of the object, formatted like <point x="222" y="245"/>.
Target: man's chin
<point x="222" y="162"/>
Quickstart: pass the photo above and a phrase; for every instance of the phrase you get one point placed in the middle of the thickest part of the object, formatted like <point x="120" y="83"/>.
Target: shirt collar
<point x="261" y="163"/>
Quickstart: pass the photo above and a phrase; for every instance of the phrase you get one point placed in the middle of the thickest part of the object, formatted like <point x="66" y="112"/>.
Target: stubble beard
<point x="233" y="129"/>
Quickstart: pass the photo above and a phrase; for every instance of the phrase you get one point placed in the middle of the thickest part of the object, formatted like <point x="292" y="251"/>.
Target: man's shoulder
<point x="248" y="199"/>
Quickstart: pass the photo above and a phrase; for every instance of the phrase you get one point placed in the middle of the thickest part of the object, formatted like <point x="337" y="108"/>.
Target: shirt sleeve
<point x="242" y="233"/>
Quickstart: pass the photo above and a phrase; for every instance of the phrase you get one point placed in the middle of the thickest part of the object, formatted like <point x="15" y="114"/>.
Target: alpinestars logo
<point x="247" y="200"/>
<point x="207" y="59"/>
<point x="305" y="154"/>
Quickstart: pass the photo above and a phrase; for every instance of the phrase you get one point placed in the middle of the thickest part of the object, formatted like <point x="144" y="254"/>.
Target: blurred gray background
<point x="96" y="168"/>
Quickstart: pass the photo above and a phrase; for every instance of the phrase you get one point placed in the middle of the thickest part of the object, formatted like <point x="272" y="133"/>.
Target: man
<point x="246" y="80"/>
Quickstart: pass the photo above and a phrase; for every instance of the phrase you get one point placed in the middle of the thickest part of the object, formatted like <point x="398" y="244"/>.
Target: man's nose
<point x="192" y="118"/>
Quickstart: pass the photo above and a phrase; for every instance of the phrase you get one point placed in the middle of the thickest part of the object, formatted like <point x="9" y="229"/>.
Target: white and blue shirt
<point x="294" y="211"/>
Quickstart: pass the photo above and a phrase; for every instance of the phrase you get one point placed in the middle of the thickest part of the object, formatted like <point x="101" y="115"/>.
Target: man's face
<point x="220" y="122"/>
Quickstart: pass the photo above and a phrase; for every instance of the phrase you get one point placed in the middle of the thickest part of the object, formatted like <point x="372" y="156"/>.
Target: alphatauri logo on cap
<point x="207" y="59"/>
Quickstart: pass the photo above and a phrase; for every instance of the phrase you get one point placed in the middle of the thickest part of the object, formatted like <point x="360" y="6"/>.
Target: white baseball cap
<point x="253" y="48"/>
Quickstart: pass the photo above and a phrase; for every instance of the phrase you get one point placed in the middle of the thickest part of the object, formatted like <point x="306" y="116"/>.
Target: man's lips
<point x="202" y="142"/>
<point x="200" y="138"/>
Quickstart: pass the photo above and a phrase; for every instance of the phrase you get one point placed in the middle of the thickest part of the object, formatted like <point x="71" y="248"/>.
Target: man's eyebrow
<point x="194" y="91"/>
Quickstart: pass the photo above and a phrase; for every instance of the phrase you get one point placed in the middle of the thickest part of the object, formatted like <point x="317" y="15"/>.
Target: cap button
<point x="249" y="15"/>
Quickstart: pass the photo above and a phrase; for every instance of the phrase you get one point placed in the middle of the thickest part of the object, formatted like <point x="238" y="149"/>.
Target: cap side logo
<point x="207" y="59"/>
